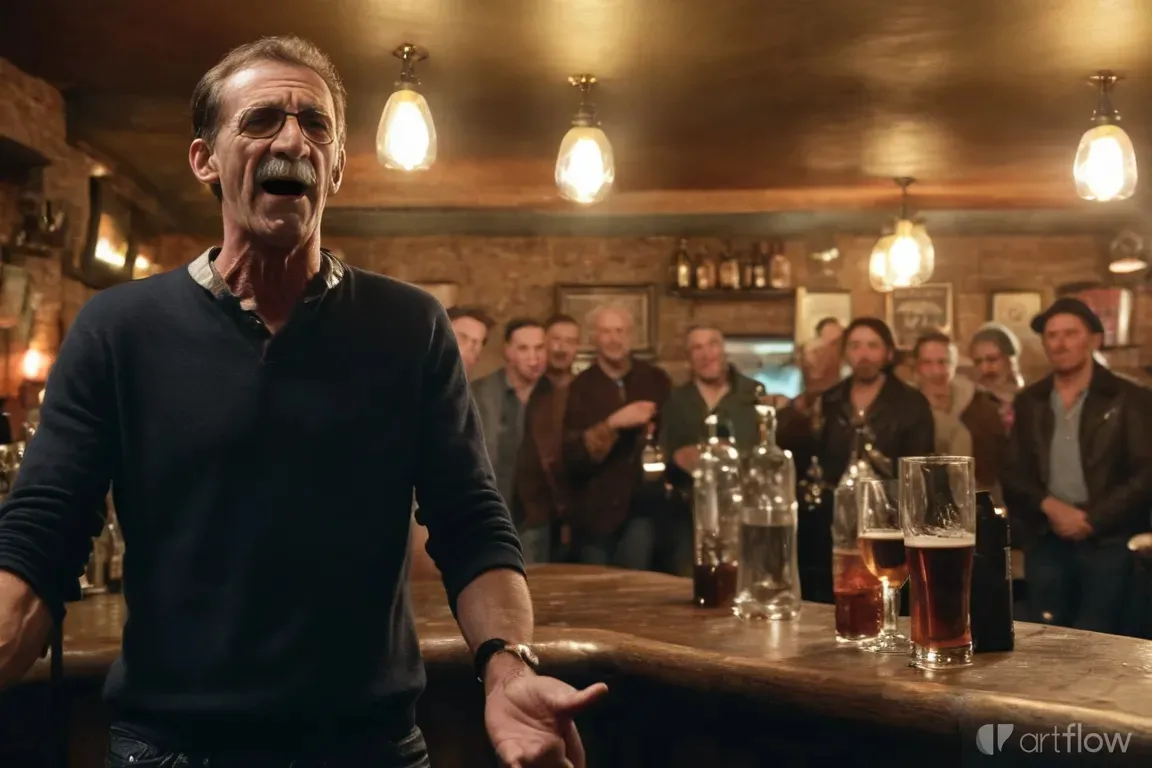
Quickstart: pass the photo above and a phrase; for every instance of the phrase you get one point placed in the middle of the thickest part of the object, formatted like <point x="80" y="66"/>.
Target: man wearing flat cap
<point x="1078" y="482"/>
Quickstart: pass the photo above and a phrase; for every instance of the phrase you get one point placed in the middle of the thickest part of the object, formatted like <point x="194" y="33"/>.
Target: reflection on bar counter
<point x="769" y="571"/>
<point x="717" y="498"/>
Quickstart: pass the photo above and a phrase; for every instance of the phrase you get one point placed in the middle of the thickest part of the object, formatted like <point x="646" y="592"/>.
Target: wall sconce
<point x="906" y="257"/>
<point x="585" y="167"/>
<point x="1105" y="166"/>
<point x="406" y="137"/>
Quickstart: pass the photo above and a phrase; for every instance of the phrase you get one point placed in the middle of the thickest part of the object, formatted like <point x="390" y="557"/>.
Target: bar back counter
<point x="695" y="687"/>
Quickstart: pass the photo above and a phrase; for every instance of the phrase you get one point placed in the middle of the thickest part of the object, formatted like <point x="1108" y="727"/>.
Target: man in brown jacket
<point x="540" y="500"/>
<point x="611" y="406"/>
<point x="967" y="418"/>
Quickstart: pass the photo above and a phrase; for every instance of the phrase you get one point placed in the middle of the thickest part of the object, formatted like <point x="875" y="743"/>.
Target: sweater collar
<point x="203" y="271"/>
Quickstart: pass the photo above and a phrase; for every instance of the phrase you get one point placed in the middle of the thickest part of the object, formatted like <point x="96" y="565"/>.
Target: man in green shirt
<point x="716" y="387"/>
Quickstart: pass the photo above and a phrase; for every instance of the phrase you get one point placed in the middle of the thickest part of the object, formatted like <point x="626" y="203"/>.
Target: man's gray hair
<point x="594" y="316"/>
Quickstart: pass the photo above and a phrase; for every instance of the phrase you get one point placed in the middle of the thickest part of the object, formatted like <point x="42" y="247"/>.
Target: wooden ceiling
<point x="732" y="106"/>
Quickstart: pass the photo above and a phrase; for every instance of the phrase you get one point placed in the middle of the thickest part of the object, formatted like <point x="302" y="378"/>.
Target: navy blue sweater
<point x="264" y="488"/>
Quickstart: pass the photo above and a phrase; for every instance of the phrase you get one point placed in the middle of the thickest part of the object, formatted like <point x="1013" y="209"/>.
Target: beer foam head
<point x="941" y="542"/>
<point x="882" y="535"/>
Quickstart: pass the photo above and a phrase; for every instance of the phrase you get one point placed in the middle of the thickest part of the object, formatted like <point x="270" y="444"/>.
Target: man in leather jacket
<point x="1078" y="480"/>
<point x="899" y="423"/>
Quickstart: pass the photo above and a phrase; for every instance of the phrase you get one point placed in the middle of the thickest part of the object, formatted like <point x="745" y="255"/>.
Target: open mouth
<point x="284" y="187"/>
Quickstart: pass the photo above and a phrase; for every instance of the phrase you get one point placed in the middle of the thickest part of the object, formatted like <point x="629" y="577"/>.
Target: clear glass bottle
<point x="729" y="269"/>
<point x="115" y="554"/>
<point x="717" y="500"/>
<point x="760" y="266"/>
<point x="769" y="574"/>
<point x="780" y="268"/>
<point x="706" y="271"/>
<point x="857" y="594"/>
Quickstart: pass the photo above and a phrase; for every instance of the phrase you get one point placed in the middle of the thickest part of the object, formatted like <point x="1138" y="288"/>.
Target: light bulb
<point x="903" y="259"/>
<point x="585" y="168"/>
<point x="1105" y="167"/>
<point x="406" y="137"/>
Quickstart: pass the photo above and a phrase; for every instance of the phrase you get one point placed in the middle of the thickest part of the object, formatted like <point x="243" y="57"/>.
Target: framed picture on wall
<point x="913" y="311"/>
<point x="1015" y="310"/>
<point x="814" y="306"/>
<point x="638" y="300"/>
<point x="1113" y="305"/>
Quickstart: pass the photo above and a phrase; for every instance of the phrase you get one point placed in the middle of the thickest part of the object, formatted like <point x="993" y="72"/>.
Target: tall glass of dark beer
<point x="938" y="515"/>
<point x="882" y="549"/>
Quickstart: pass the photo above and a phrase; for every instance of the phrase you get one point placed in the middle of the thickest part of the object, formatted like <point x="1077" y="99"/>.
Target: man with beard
<point x="716" y="387"/>
<point x="1078" y="482"/>
<point x="896" y="416"/>
<point x="263" y="417"/>
<point x="610" y="408"/>
<point x="500" y="397"/>
<point x="995" y="353"/>
<point x="967" y="418"/>
<point x="542" y="495"/>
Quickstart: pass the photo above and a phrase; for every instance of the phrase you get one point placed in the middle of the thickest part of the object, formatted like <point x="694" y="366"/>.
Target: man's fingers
<point x="571" y="703"/>
<point x="573" y="746"/>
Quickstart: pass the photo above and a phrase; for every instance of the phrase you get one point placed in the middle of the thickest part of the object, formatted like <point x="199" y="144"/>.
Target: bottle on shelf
<point x="705" y="271"/>
<point x="717" y="499"/>
<point x="768" y="586"/>
<point x="858" y="595"/>
<point x="779" y="268"/>
<point x="729" y="269"/>
<point x="681" y="268"/>
<point x="991" y="598"/>
<point x="747" y="270"/>
<point x="115" y="554"/>
<point x="760" y="265"/>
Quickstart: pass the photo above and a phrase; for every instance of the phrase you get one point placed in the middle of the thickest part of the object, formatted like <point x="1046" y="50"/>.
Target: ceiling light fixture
<point x="906" y="257"/>
<point x="406" y="137"/>
<point x="1105" y="166"/>
<point x="585" y="167"/>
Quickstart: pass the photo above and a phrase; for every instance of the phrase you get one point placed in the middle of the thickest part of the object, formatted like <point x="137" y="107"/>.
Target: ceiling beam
<point x="393" y="222"/>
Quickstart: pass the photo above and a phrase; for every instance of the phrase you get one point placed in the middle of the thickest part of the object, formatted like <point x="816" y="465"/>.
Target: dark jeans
<point x="632" y="545"/>
<point x="125" y="750"/>
<point x="1092" y="585"/>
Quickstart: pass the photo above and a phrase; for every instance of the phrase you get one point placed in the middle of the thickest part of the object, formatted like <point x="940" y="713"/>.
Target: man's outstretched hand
<point x="530" y="721"/>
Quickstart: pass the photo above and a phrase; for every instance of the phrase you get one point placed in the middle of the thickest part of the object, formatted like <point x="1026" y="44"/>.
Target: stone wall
<point x="517" y="276"/>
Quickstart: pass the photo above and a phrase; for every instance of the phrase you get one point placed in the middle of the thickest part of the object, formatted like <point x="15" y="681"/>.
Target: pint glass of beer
<point x="938" y="515"/>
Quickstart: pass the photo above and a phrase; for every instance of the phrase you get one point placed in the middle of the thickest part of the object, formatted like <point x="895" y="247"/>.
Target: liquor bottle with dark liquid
<point x="991" y="599"/>
<point x="760" y="265"/>
<point x="769" y="576"/>
<point x="716" y="505"/>
<point x="858" y="595"/>
<point x="705" y="271"/>
<point x="681" y="268"/>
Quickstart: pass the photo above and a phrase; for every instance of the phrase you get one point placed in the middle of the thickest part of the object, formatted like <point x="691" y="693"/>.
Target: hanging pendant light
<point x="406" y="137"/>
<point x="585" y="167"/>
<point x="906" y="257"/>
<point x="1105" y="167"/>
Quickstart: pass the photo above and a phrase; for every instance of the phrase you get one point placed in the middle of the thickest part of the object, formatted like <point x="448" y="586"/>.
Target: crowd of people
<point x="1065" y="455"/>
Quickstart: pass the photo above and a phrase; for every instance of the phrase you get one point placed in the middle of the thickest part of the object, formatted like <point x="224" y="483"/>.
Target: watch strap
<point x="490" y="648"/>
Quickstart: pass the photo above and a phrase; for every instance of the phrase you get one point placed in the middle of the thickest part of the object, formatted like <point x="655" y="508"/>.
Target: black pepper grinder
<point x="991" y="599"/>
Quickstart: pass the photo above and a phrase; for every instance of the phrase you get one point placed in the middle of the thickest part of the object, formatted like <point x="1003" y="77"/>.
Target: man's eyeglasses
<point x="266" y="122"/>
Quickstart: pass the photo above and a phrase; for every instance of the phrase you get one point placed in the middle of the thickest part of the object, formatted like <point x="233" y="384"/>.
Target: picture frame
<point x="768" y="359"/>
<point x="639" y="299"/>
<point x="912" y="311"/>
<point x="813" y="306"/>
<point x="1014" y="309"/>
<point x="1112" y="304"/>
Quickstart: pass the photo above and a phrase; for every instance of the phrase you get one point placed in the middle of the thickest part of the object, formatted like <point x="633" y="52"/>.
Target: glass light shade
<point x="406" y="137"/>
<point x="585" y="167"/>
<point x="903" y="259"/>
<point x="1127" y="265"/>
<point x="1105" y="167"/>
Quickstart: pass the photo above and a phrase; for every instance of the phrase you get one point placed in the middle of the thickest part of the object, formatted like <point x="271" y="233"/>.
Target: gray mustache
<point x="272" y="167"/>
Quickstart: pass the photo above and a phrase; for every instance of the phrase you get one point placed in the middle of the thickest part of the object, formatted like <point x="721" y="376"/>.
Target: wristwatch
<point x="490" y="648"/>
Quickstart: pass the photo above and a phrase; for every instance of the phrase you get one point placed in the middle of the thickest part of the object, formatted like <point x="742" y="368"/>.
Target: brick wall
<point x="517" y="276"/>
<point x="32" y="113"/>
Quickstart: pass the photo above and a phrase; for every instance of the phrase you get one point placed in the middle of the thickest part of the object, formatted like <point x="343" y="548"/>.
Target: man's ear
<point x="203" y="162"/>
<point x="338" y="170"/>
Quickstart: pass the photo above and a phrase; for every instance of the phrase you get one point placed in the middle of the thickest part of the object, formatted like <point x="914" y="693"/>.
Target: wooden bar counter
<point x="694" y="687"/>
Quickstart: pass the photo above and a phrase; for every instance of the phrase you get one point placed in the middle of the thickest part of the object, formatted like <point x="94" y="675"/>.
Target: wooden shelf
<point x="733" y="294"/>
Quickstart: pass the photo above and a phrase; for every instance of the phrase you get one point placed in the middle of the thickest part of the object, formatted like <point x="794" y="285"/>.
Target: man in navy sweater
<point x="263" y="454"/>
